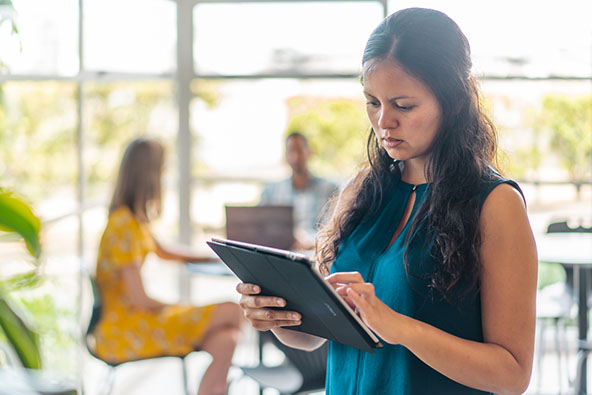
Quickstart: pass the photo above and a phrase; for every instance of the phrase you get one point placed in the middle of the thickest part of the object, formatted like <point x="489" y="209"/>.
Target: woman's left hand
<point x="361" y="296"/>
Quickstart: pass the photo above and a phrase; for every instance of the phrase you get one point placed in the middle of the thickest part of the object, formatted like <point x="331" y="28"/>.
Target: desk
<point x="213" y="268"/>
<point x="572" y="250"/>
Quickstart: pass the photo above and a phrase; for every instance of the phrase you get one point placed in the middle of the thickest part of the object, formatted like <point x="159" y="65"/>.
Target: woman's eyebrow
<point x="394" y="99"/>
<point x="391" y="99"/>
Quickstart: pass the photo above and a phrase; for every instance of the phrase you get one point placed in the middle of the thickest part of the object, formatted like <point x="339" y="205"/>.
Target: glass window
<point x="117" y="39"/>
<point x="240" y="127"/>
<point x="282" y="38"/>
<point x="38" y="134"/>
<point x="533" y="147"/>
<point x="39" y="37"/>
<point x="116" y="113"/>
<point x="38" y="162"/>
<point x="521" y="38"/>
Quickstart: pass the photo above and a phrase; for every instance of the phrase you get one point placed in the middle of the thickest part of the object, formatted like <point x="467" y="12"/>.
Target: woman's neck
<point x="414" y="173"/>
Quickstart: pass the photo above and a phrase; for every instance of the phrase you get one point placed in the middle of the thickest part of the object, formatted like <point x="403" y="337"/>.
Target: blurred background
<point x="220" y="82"/>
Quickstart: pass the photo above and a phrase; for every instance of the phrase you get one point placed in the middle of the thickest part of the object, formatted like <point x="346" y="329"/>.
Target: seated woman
<point x="133" y="325"/>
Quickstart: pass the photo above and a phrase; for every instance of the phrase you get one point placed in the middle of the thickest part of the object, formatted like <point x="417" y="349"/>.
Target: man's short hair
<point x="296" y="134"/>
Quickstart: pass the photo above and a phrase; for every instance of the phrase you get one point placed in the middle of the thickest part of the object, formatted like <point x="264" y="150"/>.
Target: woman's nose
<point x="387" y="119"/>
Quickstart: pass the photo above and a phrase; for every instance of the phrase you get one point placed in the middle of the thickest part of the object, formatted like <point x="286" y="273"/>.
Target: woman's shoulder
<point x="502" y="198"/>
<point x="494" y="180"/>
<point x="122" y="217"/>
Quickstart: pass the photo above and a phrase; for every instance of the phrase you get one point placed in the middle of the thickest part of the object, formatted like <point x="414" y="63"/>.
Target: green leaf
<point x="21" y="281"/>
<point x="16" y="216"/>
<point x="20" y="336"/>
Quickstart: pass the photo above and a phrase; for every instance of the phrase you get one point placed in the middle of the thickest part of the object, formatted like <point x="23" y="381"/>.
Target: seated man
<point x="306" y="192"/>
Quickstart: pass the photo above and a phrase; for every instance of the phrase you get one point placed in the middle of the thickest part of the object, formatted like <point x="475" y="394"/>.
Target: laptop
<point x="272" y="226"/>
<point x="291" y="276"/>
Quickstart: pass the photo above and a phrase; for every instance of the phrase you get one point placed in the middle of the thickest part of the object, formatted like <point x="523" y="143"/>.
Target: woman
<point x="133" y="325"/>
<point x="430" y="244"/>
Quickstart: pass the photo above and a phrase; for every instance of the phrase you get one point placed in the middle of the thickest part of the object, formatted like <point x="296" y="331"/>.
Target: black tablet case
<point x="290" y="276"/>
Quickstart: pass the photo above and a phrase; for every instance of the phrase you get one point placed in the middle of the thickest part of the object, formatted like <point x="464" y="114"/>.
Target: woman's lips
<point x="390" y="142"/>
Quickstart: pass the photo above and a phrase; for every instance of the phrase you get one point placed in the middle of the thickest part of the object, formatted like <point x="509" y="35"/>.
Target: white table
<point x="213" y="268"/>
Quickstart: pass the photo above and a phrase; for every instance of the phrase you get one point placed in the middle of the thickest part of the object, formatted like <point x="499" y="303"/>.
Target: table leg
<point x="581" y="280"/>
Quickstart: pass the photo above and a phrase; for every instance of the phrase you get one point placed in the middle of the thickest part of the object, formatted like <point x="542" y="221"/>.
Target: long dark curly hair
<point x="431" y="47"/>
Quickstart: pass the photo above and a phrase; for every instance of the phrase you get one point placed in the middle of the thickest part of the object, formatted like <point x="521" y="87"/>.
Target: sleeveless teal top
<point x="394" y="369"/>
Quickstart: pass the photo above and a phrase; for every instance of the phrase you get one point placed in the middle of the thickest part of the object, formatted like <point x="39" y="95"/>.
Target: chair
<point x="90" y="341"/>
<point x="563" y="227"/>
<point x="555" y="303"/>
<point x="300" y="373"/>
<point x="584" y="347"/>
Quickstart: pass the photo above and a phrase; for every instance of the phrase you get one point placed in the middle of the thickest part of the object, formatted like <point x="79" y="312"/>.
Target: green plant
<point x="16" y="218"/>
<point x="336" y="130"/>
<point x="569" y="122"/>
<point x="18" y="221"/>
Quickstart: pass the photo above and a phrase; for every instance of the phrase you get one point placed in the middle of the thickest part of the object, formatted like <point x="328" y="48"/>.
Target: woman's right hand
<point x="256" y="311"/>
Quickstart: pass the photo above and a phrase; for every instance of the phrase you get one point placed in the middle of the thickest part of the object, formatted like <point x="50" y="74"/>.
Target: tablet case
<point x="290" y="276"/>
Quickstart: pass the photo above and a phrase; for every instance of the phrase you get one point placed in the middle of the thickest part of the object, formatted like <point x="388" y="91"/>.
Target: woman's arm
<point x="135" y="289"/>
<point x="502" y="363"/>
<point x="179" y="253"/>
<point x="263" y="319"/>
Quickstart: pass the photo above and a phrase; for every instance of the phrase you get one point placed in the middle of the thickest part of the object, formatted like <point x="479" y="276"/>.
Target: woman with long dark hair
<point x="430" y="243"/>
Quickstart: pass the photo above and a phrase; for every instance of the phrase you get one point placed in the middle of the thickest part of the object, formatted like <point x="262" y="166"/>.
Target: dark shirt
<point x="394" y="369"/>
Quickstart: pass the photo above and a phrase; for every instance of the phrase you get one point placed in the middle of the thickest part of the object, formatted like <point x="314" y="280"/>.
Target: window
<point x="527" y="38"/>
<point x="134" y="36"/>
<point x="47" y="37"/>
<point x="288" y="38"/>
<point x="240" y="136"/>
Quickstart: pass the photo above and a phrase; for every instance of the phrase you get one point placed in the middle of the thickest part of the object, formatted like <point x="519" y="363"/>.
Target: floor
<point x="165" y="375"/>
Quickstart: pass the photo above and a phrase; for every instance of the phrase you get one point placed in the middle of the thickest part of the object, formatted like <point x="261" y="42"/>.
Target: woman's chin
<point x="394" y="154"/>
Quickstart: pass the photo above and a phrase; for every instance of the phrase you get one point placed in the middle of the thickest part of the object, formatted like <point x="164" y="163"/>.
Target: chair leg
<point x="559" y="354"/>
<point x="185" y="376"/>
<point x="582" y="356"/>
<point x="107" y="386"/>
<point x="566" y="354"/>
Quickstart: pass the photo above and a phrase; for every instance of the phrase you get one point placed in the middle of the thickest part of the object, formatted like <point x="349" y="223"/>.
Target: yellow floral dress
<point x="127" y="333"/>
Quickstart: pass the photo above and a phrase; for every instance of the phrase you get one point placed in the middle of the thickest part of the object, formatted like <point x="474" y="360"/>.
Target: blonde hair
<point x="138" y="185"/>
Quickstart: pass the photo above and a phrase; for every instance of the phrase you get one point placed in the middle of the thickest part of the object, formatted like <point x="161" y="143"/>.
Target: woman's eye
<point x="404" y="108"/>
<point x="371" y="103"/>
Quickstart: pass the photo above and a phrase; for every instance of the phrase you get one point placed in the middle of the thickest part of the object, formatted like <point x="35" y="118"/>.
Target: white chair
<point x="555" y="305"/>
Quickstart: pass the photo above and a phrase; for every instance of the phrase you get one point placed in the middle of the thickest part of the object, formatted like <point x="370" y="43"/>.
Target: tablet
<point x="291" y="276"/>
